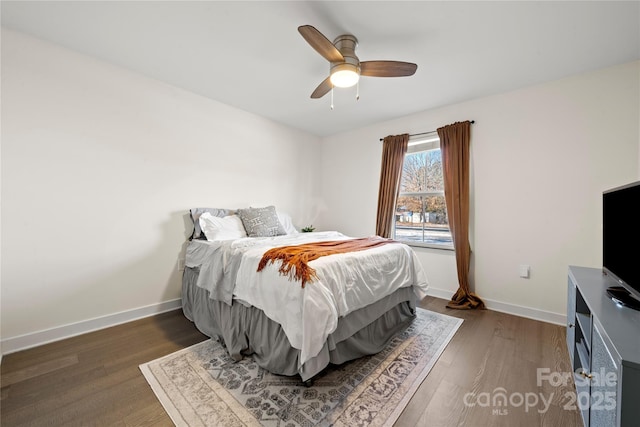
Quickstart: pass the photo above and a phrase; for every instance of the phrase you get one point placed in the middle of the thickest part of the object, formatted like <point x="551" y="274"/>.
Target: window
<point x="421" y="213"/>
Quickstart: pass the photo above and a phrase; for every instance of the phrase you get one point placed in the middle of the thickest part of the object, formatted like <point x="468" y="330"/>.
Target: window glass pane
<point x="422" y="171"/>
<point x="422" y="219"/>
<point x="414" y="172"/>
<point x="435" y="180"/>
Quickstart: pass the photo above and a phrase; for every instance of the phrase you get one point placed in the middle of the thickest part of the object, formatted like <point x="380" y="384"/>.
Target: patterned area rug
<point x="202" y="386"/>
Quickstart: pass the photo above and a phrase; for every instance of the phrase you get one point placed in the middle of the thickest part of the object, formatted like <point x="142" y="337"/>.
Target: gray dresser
<point x="603" y="340"/>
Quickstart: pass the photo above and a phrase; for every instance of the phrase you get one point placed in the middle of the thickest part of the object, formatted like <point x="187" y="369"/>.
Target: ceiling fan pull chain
<point x="358" y="90"/>
<point x="332" y="98"/>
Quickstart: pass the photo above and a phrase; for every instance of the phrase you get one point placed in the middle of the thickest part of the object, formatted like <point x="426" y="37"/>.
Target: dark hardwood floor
<point x="94" y="380"/>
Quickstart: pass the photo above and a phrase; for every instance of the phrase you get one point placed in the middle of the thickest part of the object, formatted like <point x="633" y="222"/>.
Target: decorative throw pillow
<point x="287" y="223"/>
<point x="195" y="215"/>
<point x="227" y="228"/>
<point x="261" y="222"/>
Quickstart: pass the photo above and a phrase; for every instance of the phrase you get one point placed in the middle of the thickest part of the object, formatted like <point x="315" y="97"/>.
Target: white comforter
<point x="346" y="282"/>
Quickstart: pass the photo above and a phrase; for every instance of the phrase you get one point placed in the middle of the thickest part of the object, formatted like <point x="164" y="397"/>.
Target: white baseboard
<point x="504" y="307"/>
<point x="34" y="339"/>
<point x="440" y="293"/>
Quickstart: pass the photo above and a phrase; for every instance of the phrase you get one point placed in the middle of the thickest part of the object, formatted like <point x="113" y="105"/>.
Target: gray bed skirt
<point x="246" y="330"/>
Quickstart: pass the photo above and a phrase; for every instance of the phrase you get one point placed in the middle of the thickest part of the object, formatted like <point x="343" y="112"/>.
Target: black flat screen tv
<point x="621" y="243"/>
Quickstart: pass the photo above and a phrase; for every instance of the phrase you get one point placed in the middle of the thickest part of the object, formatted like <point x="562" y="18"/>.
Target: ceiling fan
<point x="345" y="67"/>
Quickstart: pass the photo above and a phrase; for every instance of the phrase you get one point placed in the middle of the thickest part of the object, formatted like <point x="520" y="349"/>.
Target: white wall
<point x="99" y="169"/>
<point x="541" y="158"/>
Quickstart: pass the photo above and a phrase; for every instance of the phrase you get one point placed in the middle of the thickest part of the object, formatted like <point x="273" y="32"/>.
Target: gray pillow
<point x="195" y="216"/>
<point x="261" y="222"/>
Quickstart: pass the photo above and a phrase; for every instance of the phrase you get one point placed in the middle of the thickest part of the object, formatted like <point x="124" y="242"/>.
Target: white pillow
<point x="287" y="223"/>
<point x="226" y="228"/>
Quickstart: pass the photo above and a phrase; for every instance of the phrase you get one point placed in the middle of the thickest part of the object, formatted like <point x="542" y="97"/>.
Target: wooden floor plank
<point x="38" y="369"/>
<point x="94" y="379"/>
<point x="445" y="407"/>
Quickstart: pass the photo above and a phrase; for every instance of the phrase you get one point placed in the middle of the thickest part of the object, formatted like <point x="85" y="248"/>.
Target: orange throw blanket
<point x="295" y="259"/>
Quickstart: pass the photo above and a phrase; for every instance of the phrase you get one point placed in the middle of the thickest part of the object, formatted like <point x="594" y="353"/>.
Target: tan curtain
<point x="393" y="150"/>
<point x="454" y="144"/>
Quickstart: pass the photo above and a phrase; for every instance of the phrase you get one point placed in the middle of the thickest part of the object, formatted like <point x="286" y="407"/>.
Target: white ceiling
<point x="250" y="55"/>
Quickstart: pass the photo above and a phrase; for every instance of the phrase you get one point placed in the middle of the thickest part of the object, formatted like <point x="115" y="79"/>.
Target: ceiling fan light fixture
<point x="344" y="75"/>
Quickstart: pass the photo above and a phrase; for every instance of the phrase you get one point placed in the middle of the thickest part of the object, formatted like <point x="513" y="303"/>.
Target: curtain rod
<point x="426" y="133"/>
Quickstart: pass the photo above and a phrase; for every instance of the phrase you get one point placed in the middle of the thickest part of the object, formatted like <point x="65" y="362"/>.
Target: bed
<point x="356" y="302"/>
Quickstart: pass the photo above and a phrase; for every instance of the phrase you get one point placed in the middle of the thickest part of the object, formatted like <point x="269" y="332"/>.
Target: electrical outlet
<point x="524" y="271"/>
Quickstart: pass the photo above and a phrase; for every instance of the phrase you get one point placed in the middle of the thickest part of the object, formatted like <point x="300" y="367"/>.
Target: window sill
<point x="427" y="245"/>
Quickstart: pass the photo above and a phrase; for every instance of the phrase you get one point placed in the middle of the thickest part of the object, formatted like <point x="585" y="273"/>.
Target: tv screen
<point x="621" y="237"/>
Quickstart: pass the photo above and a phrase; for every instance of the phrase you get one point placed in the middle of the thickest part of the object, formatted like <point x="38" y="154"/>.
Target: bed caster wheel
<point x="308" y="383"/>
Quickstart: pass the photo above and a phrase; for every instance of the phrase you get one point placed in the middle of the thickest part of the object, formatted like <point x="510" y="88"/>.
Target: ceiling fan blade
<point x="320" y="43"/>
<point x="322" y="89"/>
<point x="387" y="68"/>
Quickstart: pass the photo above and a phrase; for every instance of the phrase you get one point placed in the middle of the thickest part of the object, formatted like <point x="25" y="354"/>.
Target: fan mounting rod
<point x="347" y="44"/>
